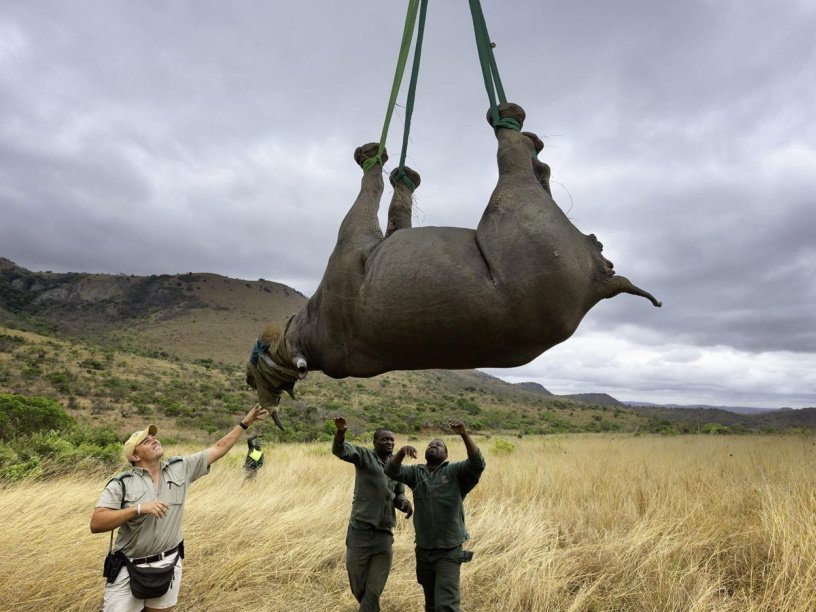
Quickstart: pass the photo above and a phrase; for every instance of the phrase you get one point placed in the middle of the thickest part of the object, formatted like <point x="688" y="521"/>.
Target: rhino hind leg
<point x="401" y="207"/>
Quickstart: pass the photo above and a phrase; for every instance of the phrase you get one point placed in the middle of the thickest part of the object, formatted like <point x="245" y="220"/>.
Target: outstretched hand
<point x="408" y="450"/>
<point x="458" y="427"/>
<point x="255" y="414"/>
<point x="340" y="423"/>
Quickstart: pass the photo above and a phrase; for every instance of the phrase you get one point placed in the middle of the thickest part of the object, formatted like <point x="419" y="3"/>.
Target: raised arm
<point x="340" y="448"/>
<point x="459" y="428"/>
<point x="393" y="468"/>
<point x="222" y="447"/>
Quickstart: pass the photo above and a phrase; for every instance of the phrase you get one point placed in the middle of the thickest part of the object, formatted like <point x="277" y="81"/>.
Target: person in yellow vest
<point x="255" y="457"/>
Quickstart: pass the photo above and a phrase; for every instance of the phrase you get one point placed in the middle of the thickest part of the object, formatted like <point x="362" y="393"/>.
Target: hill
<point x="118" y="350"/>
<point x="193" y="315"/>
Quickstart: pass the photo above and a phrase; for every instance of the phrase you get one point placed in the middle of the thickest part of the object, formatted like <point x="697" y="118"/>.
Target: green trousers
<point x="438" y="572"/>
<point x="368" y="562"/>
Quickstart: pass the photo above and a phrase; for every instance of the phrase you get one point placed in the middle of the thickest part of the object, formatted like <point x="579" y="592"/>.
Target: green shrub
<point x="40" y="440"/>
<point x="22" y="416"/>
<point x="503" y="447"/>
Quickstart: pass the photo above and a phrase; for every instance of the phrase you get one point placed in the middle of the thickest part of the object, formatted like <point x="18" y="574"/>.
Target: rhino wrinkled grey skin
<point x="445" y="297"/>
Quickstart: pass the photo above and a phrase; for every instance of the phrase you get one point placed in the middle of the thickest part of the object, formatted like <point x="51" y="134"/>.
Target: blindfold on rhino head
<point x="270" y="380"/>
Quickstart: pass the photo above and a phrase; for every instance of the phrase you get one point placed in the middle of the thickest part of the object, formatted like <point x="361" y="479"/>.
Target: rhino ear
<point x="271" y="335"/>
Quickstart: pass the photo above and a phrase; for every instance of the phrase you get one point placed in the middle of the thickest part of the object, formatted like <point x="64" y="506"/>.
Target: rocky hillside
<point x="118" y="349"/>
<point x="194" y="315"/>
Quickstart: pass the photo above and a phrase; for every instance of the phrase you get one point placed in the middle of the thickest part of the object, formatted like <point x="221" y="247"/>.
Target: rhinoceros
<point x="443" y="297"/>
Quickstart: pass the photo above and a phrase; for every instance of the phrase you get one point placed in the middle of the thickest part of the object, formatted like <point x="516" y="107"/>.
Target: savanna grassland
<point x="566" y="522"/>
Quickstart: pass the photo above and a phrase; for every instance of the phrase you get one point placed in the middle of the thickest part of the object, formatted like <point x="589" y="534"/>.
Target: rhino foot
<point x="508" y="110"/>
<point x="411" y="175"/>
<point x="369" y="151"/>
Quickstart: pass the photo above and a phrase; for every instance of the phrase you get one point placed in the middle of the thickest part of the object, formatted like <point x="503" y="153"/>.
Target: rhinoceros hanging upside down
<point x="443" y="297"/>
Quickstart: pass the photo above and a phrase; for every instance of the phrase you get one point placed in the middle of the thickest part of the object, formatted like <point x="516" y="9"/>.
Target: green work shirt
<point x="145" y="535"/>
<point x="439" y="511"/>
<point x="375" y="495"/>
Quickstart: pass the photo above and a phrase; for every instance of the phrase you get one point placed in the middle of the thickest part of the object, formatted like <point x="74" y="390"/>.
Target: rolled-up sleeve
<point x="195" y="466"/>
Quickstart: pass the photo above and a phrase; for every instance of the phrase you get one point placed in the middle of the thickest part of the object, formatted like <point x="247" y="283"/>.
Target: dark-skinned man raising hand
<point x="439" y="490"/>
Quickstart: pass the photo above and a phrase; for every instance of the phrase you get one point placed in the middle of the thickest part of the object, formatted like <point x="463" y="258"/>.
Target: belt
<point x="155" y="558"/>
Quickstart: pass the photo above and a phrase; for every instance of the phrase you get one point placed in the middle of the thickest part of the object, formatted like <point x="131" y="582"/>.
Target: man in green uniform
<point x="146" y="503"/>
<point x="369" y="538"/>
<point x="439" y="491"/>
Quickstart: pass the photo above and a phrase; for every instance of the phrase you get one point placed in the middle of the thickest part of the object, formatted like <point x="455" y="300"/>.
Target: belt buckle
<point x="161" y="556"/>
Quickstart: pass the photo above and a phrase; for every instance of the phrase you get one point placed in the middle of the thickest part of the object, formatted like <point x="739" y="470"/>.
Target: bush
<point x="503" y="447"/>
<point x="714" y="429"/>
<point x="40" y="440"/>
<point x="23" y="416"/>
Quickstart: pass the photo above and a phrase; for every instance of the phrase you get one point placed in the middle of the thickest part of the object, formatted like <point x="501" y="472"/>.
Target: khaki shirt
<point x="439" y="511"/>
<point x="146" y="535"/>
<point x="375" y="495"/>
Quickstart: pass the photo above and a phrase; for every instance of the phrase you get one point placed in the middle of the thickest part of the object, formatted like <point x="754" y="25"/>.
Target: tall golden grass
<point x="589" y="522"/>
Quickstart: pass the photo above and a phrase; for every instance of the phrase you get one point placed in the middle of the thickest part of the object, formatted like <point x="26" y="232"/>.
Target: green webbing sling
<point x="409" y="104"/>
<point x="407" y="35"/>
<point x="490" y="71"/>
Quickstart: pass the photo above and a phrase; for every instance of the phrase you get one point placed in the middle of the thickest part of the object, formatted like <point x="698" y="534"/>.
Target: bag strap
<point x="121" y="479"/>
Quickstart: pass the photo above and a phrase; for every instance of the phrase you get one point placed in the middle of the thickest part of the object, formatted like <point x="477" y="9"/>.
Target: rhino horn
<point x="620" y="284"/>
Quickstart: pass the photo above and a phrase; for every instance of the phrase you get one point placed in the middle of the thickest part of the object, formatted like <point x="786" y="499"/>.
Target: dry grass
<point x="560" y="523"/>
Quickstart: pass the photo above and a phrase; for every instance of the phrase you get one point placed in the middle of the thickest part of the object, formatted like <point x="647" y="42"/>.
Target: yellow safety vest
<point x="256" y="454"/>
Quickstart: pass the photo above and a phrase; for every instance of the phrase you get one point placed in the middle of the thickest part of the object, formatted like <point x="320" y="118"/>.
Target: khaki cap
<point x="136" y="439"/>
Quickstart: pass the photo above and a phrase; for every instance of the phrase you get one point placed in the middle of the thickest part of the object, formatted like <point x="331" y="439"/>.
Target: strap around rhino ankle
<point x="406" y="176"/>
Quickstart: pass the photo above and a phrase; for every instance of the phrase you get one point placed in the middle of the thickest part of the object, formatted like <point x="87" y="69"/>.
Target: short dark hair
<point x="379" y="432"/>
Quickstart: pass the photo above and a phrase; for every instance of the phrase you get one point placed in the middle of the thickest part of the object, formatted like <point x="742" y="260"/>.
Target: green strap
<point x="490" y="71"/>
<point x="409" y="104"/>
<point x="407" y="35"/>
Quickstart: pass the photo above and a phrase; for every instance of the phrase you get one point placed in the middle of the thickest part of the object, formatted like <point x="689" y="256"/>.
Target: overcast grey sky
<point x="168" y="137"/>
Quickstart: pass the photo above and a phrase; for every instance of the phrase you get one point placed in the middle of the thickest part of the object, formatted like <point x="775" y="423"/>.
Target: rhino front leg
<point x="360" y="225"/>
<point x="400" y="209"/>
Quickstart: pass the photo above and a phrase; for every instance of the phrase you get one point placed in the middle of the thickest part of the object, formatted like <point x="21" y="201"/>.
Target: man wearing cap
<point x="146" y="503"/>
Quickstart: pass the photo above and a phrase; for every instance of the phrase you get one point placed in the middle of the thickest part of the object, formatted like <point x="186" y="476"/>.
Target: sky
<point x="217" y="136"/>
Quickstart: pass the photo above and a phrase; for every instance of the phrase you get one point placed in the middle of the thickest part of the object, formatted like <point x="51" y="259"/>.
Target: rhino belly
<point x="429" y="301"/>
